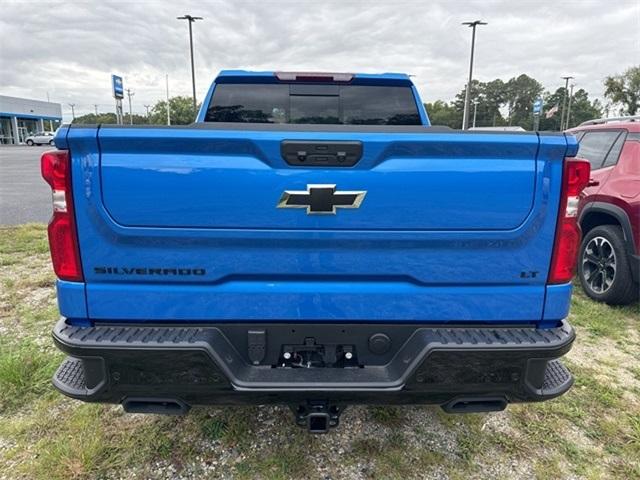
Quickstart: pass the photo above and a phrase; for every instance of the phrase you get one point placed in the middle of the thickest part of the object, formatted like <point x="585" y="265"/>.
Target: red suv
<point x="609" y="210"/>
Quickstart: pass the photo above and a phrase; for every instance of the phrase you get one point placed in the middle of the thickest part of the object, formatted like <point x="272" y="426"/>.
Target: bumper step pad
<point x="557" y="378"/>
<point x="70" y="378"/>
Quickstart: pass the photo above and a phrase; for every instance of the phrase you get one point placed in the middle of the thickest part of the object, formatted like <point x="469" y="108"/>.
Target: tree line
<point x="497" y="103"/>
<point x="181" y="110"/>
<point x="500" y="103"/>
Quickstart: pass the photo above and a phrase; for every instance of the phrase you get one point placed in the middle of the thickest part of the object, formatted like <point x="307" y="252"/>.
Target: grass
<point x="25" y="374"/>
<point x="591" y="432"/>
<point x="28" y="239"/>
<point x="602" y="320"/>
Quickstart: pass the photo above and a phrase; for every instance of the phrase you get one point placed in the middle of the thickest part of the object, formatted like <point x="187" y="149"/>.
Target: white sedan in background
<point x="40" y="138"/>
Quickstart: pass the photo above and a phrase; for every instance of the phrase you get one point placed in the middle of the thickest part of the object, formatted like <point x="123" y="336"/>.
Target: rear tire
<point x="30" y="143"/>
<point x="51" y="142"/>
<point x="603" y="266"/>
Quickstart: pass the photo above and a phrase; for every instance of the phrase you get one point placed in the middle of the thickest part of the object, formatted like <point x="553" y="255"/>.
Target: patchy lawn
<point x="592" y="432"/>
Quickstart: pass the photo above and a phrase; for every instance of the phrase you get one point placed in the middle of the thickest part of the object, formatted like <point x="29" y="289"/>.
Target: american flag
<point x="552" y="111"/>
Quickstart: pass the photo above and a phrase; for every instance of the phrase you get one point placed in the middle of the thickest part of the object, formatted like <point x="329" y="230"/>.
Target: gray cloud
<point x="70" y="49"/>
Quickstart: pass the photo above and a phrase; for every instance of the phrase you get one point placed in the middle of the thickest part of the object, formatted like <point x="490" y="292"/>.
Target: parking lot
<point x="24" y="196"/>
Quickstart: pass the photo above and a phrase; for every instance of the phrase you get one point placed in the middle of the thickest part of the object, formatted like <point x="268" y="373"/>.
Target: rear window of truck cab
<point x="309" y="104"/>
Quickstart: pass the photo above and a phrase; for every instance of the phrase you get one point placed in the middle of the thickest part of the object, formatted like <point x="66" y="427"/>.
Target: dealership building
<point x="21" y="117"/>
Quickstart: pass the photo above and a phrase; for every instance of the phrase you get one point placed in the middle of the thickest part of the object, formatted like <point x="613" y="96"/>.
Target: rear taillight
<point x="567" y="242"/>
<point x="63" y="237"/>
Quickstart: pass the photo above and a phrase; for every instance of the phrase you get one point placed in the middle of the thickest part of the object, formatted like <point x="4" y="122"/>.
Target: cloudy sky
<point x="69" y="49"/>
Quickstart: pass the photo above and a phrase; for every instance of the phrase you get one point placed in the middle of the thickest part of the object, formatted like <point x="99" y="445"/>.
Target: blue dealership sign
<point x="118" y="87"/>
<point x="537" y="106"/>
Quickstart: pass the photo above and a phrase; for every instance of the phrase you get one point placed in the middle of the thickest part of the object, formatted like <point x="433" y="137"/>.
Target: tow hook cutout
<point x="318" y="416"/>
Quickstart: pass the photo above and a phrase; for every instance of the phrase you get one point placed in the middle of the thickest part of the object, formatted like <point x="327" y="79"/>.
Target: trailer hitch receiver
<point x="318" y="416"/>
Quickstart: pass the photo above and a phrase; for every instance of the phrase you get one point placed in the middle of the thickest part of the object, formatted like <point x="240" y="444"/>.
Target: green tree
<point x="458" y="102"/>
<point x="521" y="92"/>
<point x="441" y="113"/>
<point x="92" y="119"/>
<point x="181" y="109"/>
<point x="517" y="96"/>
<point x="625" y="89"/>
<point x="582" y="109"/>
<point x="109" y="118"/>
<point x="491" y="97"/>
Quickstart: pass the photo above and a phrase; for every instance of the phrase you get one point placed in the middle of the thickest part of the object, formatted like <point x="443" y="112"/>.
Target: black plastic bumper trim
<point x="113" y="362"/>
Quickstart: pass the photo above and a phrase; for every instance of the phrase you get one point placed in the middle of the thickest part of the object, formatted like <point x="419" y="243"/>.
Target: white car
<point x="40" y="138"/>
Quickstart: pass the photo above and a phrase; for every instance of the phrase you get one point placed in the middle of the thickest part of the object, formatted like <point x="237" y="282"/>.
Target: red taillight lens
<point x="63" y="238"/>
<point x="567" y="242"/>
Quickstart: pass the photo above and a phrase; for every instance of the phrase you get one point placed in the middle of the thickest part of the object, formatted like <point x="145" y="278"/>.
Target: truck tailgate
<point x="181" y="224"/>
<point x="233" y="180"/>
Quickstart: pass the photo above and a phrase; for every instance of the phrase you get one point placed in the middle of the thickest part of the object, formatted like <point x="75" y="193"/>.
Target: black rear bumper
<point x="485" y="367"/>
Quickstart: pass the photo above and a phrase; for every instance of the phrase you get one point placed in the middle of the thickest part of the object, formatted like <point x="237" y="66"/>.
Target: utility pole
<point x="192" y="19"/>
<point x="168" y="104"/>
<point x="467" y="96"/>
<point x="130" y="94"/>
<point x="569" y="108"/>
<point x="147" y="107"/>
<point x="475" y="111"/>
<point x="73" y="110"/>
<point x="95" y="105"/>
<point x="564" y="99"/>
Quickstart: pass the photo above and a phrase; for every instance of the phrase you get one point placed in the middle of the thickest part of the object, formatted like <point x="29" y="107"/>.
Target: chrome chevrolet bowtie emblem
<point x="321" y="199"/>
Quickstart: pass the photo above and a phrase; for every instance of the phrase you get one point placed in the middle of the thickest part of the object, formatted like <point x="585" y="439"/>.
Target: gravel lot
<point x="24" y="195"/>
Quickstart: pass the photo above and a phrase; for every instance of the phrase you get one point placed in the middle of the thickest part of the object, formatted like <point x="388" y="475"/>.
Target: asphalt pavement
<point x="24" y="195"/>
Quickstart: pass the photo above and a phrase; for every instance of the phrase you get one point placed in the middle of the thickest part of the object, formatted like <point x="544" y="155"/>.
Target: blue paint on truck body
<point x="452" y="226"/>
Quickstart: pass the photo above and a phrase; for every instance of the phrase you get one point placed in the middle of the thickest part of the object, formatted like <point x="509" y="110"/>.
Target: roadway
<point x="24" y="195"/>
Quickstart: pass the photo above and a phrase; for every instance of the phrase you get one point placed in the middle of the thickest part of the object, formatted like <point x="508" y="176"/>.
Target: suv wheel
<point x="51" y="142"/>
<point x="30" y="142"/>
<point x="603" y="266"/>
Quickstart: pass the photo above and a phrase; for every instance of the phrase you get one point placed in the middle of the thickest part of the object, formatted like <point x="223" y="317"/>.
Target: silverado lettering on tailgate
<point x="148" y="271"/>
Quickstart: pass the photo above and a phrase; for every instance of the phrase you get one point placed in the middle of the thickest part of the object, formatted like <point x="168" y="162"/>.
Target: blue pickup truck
<point x="312" y="241"/>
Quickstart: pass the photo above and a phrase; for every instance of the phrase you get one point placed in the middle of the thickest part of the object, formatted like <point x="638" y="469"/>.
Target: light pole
<point x="147" y="108"/>
<point x="564" y="100"/>
<point x="73" y="110"/>
<point x="168" y="104"/>
<point x="467" y="96"/>
<point x="130" y="94"/>
<point x="192" y="19"/>
<point x="96" y="108"/>
<point x="475" y="111"/>
<point x="566" y="123"/>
